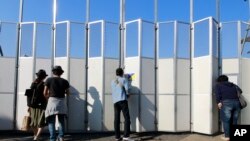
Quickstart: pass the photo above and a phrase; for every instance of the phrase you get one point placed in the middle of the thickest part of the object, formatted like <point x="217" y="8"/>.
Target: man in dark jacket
<point x="228" y="103"/>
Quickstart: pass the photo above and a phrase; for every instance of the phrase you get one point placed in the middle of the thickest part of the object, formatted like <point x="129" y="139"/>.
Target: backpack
<point x="34" y="100"/>
<point x="29" y="93"/>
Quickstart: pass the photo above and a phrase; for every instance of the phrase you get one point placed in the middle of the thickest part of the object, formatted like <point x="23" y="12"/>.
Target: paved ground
<point x="7" y="136"/>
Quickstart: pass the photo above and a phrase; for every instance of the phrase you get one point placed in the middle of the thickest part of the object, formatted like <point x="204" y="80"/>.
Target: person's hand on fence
<point x="219" y="105"/>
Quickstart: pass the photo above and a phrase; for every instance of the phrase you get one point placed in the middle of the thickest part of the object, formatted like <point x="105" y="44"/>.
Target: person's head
<point x="222" y="78"/>
<point x="41" y="74"/>
<point x="57" y="70"/>
<point x="119" y="72"/>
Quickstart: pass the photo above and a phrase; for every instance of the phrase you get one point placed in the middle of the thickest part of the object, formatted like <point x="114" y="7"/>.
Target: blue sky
<point x="41" y="10"/>
<point x="74" y="10"/>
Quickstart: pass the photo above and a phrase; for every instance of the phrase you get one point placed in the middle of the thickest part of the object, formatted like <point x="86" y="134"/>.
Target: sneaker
<point x="60" y="139"/>
<point x="127" y="139"/>
<point x="225" y="138"/>
<point x="118" y="139"/>
<point x="36" y="138"/>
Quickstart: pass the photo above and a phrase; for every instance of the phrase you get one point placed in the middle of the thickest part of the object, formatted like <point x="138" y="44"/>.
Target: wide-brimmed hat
<point x="41" y="73"/>
<point x="57" y="69"/>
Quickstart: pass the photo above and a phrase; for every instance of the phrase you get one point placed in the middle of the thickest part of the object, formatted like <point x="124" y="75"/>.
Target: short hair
<point x="222" y="78"/>
<point x="119" y="72"/>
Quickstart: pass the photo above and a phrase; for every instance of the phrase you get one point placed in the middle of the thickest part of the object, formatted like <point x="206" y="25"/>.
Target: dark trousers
<point x="118" y="107"/>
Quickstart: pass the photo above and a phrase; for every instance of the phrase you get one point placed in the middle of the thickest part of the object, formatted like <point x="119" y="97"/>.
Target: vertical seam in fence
<point x="87" y="33"/>
<point x="68" y="62"/>
<point x="239" y="58"/>
<point x="239" y="52"/>
<point x="191" y="49"/>
<point x="140" y="70"/>
<point x="157" y="75"/>
<point x="211" y="69"/>
<point x="86" y="75"/>
<point x="191" y="73"/>
<point x="53" y="54"/>
<point x="155" y="62"/>
<point x="175" y="74"/>
<point x="20" y="19"/>
<point x="103" y="73"/>
<point x="34" y="48"/>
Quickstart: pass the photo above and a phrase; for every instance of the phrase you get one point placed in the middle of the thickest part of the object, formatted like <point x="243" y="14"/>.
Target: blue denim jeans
<point x="52" y="129"/>
<point x="229" y="113"/>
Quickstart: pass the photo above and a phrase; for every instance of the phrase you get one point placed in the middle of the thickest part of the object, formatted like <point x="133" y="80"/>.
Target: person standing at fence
<point x="120" y="95"/>
<point x="55" y="90"/>
<point x="228" y="103"/>
<point x="37" y="104"/>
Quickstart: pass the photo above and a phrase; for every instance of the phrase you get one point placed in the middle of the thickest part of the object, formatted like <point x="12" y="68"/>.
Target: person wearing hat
<point x="38" y="104"/>
<point x="55" y="90"/>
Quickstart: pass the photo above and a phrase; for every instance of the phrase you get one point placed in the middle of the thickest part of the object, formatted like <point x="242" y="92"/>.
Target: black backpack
<point x="29" y="93"/>
<point x="34" y="99"/>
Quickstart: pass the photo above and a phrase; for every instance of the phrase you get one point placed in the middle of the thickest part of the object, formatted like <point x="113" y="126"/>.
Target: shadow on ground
<point x="109" y="136"/>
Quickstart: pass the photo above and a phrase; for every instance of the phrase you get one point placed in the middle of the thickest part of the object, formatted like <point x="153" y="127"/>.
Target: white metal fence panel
<point x="203" y="75"/>
<point x="174" y="76"/>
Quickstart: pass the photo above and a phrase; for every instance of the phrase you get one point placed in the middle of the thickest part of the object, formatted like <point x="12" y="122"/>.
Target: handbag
<point x="243" y="102"/>
<point x="26" y="123"/>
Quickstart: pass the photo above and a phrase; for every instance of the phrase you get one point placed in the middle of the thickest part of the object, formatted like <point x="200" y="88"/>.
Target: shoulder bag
<point x="242" y="99"/>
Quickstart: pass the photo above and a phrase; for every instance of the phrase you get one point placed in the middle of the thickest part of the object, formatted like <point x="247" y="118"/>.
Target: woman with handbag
<point x="37" y="104"/>
<point x="228" y="103"/>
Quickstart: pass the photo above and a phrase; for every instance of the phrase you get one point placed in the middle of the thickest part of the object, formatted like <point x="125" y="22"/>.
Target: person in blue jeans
<point x="55" y="90"/>
<point x="228" y="103"/>
<point x="119" y="95"/>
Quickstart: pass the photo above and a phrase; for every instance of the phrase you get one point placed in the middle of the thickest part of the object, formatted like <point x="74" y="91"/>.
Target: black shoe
<point x="118" y="139"/>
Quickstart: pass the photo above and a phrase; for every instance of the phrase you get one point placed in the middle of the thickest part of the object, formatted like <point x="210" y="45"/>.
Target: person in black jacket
<point x="228" y="103"/>
<point x="38" y="103"/>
